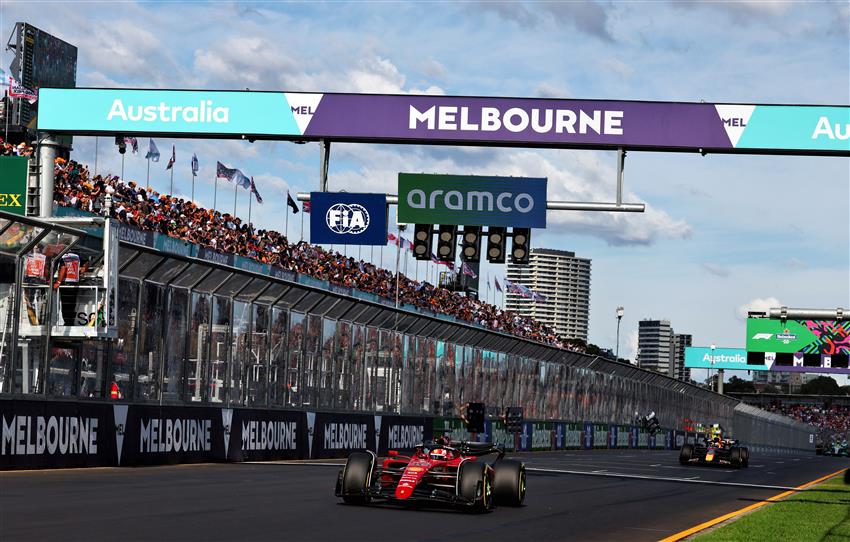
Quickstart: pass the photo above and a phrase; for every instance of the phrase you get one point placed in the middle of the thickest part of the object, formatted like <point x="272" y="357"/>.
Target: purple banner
<point x="519" y="121"/>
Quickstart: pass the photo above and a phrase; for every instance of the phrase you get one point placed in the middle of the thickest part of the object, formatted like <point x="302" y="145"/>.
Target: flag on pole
<point x="254" y="191"/>
<point x="195" y="166"/>
<point x="134" y="144"/>
<point x="233" y="175"/>
<point x="467" y="270"/>
<point x="438" y="261"/>
<point x="524" y="291"/>
<point x="498" y="286"/>
<point x="153" y="152"/>
<point x="307" y="207"/>
<point x="392" y="238"/>
<point x="17" y="90"/>
<point x="291" y="203"/>
<point x="173" y="158"/>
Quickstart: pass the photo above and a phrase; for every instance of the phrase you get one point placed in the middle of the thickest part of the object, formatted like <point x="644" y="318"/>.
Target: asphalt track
<point x="279" y="501"/>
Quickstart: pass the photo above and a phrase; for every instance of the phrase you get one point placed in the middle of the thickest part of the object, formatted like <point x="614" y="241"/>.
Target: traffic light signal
<point x="470" y="246"/>
<point x="496" y="244"/>
<point x="520" y="245"/>
<point x="446" y="243"/>
<point x="422" y="234"/>
<point x="513" y="420"/>
<point x="473" y="418"/>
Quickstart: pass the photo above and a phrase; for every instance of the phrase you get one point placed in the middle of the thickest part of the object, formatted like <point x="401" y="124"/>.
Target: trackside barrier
<point x="45" y="434"/>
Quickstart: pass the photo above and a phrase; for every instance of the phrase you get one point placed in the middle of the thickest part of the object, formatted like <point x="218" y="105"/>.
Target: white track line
<point x="660" y="479"/>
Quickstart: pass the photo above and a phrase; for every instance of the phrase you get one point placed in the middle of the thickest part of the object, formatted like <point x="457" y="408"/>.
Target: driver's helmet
<point x="439" y="454"/>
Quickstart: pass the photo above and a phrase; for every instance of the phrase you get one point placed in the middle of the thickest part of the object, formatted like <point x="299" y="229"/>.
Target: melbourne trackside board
<point x="494" y="121"/>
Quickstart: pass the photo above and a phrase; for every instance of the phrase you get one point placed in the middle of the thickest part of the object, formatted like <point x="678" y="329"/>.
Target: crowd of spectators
<point x="9" y="149"/>
<point x="147" y="209"/>
<point x="830" y="420"/>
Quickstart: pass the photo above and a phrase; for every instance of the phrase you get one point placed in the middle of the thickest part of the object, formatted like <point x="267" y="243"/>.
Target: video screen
<point x="54" y="62"/>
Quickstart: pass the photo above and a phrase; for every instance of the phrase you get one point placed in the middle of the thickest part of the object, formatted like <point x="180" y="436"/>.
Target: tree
<point x="770" y="388"/>
<point x="593" y="350"/>
<point x="822" y="385"/>
<point x="739" y="385"/>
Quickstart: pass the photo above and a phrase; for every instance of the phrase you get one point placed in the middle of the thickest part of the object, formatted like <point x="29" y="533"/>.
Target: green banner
<point x="13" y="184"/>
<point x="769" y="335"/>
<point x="541" y="437"/>
<point x="467" y="200"/>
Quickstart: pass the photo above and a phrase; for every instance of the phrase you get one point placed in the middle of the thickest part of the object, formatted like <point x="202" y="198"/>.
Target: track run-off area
<point x="580" y="495"/>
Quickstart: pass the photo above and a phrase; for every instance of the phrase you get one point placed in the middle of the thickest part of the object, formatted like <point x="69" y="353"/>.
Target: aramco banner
<point x="486" y="121"/>
<point x="340" y="218"/>
<point x="471" y="200"/>
<point x="13" y="184"/>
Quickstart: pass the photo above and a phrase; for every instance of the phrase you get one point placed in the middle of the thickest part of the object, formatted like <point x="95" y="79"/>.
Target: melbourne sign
<point x="13" y="184"/>
<point x="471" y="200"/>
<point x="596" y="124"/>
<point x="699" y="357"/>
<point x="348" y="219"/>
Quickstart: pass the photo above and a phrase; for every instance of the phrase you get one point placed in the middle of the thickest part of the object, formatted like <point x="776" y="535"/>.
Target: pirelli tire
<point x="475" y="485"/>
<point x="686" y="454"/>
<point x="745" y="457"/>
<point x="509" y="483"/>
<point x="357" y="477"/>
<point x="736" y="457"/>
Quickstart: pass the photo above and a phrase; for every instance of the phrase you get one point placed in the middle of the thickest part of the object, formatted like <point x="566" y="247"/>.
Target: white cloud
<point x="762" y="304"/>
<point x="548" y="90"/>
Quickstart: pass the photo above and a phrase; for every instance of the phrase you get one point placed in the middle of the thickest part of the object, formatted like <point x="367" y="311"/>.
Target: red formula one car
<point x="440" y="473"/>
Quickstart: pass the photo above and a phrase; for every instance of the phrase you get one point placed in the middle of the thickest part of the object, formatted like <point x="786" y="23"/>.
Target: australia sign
<point x="459" y="120"/>
<point x="471" y="200"/>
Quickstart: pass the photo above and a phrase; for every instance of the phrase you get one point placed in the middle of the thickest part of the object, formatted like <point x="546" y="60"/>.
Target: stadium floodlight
<point x="496" y="241"/>
<point x="446" y="243"/>
<point x="422" y="235"/>
<point x="520" y="245"/>
<point x="470" y="245"/>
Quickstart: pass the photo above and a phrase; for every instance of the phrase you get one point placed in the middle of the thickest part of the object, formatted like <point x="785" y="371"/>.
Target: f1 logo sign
<point x="762" y="336"/>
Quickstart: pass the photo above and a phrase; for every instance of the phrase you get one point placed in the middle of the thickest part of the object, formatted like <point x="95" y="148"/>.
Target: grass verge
<point x="820" y="514"/>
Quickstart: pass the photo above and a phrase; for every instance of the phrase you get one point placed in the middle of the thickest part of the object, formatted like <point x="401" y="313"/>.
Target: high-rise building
<point x="679" y="341"/>
<point x="661" y="349"/>
<point x="655" y="340"/>
<point x="564" y="280"/>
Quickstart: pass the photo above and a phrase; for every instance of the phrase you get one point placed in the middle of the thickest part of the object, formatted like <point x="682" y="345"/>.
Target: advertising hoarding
<point x="803" y="336"/>
<point x="468" y="200"/>
<point x="13" y="184"/>
<point x="595" y="124"/>
<point x="348" y="219"/>
<point x="701" y="357"/>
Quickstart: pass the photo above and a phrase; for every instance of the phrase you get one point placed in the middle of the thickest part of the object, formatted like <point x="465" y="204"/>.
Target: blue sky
<point x="721" y="233"/>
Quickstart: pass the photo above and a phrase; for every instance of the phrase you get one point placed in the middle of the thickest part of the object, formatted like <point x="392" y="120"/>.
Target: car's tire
<point x="686" y="453"/>
<point x="735" y="457"/>
<point x="474" y="483"/>
<point x="357" y="477"/>
<point x="745" y="457"/>
<point x="509" y="483"/>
